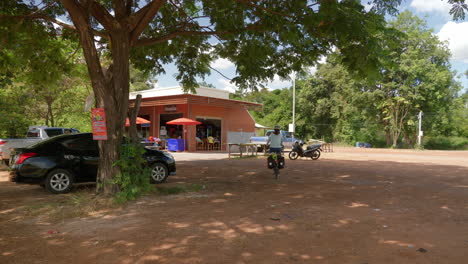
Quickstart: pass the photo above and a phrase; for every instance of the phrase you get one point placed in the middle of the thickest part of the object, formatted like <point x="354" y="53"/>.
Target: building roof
<point x="178" y="90"/>
<point x="197" y="100"/>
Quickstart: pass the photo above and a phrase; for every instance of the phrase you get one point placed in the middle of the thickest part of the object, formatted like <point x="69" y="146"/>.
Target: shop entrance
<point x="170" y="131"/>
<point x="209" y="134"/>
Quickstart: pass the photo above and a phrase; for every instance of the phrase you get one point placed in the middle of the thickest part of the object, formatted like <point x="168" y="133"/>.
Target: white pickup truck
<point x="288" y="140"/>
<point x="35" y="134"/>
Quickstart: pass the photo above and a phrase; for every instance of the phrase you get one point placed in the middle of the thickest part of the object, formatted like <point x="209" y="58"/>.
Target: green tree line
<point x="335" y="105"/>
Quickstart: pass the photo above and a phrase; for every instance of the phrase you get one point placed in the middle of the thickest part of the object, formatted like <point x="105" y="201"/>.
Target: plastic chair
<point x="200" y="145"/>
<point x="210" y="143"/>
<point x="217" y="145"/>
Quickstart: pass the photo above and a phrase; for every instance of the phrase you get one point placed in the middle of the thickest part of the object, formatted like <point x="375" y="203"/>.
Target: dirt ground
<point x="362" y="206"/>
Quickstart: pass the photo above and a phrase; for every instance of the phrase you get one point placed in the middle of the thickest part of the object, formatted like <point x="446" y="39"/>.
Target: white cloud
<point x="278" y="83"/>
<point x="367" y="7"/>
<point x="311" y="70"/>
<point x="227" y="85"/>
<point x="431" y="6"/>
<point x="455" y="34"/>
<point x="222" y="64"/>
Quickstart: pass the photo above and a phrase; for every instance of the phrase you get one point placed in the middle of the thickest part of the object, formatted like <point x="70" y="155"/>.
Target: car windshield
<point x="52" y="132"/>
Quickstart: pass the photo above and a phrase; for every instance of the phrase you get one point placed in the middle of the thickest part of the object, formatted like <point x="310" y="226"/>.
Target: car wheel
<point x="59" y="181"/>
<point x="159" y="173"/>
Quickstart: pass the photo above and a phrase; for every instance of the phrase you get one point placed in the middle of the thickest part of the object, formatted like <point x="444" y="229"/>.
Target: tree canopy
<point x="338" y="107"/>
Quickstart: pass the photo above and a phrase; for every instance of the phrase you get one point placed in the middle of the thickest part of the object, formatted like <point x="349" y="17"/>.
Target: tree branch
<point x="102" y="15"/>
<point x="119" y="9"/>
<point x="150" y="41"/>
<point x="129" y="7"/>
<point x="53" y="20"/>
<point x="142" y="19"/>
<point x="81" y="21"/>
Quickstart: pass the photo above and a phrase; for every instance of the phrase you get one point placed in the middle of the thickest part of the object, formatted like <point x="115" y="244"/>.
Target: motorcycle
<point x="312" y="151"/>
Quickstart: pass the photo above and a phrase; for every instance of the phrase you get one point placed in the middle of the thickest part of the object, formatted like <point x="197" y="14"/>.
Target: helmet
<point x="277" y="127"/>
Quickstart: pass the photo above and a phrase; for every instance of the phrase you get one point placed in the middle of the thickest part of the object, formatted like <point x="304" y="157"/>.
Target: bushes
<point x="446" y="143"/>
<point x="134" y="177"/>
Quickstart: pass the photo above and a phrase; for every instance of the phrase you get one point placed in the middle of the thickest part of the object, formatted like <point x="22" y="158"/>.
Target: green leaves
<point x="134" y="177"/>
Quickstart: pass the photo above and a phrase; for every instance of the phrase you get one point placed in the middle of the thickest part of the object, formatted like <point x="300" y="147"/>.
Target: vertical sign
<point x="98" y="118"/>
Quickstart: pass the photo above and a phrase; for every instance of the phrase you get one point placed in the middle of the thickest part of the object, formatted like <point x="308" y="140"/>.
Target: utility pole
<point x="420" y="133"/>
<point x="294" y="104"/>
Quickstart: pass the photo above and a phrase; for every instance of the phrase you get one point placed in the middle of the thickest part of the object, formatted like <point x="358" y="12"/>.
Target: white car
<point x="35" y="134"/>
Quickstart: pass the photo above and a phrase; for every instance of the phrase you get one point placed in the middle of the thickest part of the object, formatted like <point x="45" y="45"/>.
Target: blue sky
<point x="435" y="12"/>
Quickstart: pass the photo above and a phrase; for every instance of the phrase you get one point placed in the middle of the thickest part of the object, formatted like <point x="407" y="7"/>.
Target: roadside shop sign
<point x="98" y="118"/>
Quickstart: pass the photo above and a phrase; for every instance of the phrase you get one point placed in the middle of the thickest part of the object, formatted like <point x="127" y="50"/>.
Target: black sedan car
<point x="59" y="162"/>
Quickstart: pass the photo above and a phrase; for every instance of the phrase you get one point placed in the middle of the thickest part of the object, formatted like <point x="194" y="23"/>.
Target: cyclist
<point x="275" y="141"/>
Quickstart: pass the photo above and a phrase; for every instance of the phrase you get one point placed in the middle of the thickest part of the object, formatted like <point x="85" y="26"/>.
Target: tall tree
<point x="262" y="38"/>
<point x="418" y="78"/>
<point x="420" y="81"/>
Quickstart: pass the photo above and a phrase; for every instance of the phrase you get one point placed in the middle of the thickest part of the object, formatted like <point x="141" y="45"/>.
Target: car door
<point x="85" y="149"/>
<point x="89" y="157"/>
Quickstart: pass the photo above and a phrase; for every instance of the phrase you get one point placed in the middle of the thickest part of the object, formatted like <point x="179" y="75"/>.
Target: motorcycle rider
<point x="275" y="141"/>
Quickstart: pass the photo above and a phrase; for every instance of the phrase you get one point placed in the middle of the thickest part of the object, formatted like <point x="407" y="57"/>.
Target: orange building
<point x="223" y="120"/>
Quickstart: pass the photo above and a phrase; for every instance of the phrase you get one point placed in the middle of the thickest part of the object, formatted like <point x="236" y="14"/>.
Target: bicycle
<point x="276" y="162"/>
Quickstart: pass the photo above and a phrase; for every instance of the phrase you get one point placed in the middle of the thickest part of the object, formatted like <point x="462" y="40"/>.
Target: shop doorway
<point x="170" y="131"/>
<point x="209" y="134"/>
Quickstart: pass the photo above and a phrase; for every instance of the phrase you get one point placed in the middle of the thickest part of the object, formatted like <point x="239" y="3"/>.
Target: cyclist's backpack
<point x="270" y="162"/>
<point x="281" y="162"/>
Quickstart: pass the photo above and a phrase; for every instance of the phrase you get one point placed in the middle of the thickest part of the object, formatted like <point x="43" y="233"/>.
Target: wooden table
<point x="252" y="147"/>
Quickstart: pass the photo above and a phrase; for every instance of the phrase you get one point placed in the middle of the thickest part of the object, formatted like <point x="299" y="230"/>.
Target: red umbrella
<point x="139" y="121"/>
<point x="183" y="121"/>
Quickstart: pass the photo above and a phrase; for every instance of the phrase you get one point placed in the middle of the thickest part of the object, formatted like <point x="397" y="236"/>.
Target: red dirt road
<point x="351" y="206"/>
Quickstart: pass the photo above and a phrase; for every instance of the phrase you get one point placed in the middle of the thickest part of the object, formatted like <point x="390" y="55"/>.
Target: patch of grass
<point x="83" y="203"/>
<point x="446" y="143"/>
<point x="180" y="189"/>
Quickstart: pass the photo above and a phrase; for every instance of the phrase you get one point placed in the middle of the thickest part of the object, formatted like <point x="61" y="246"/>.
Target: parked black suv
<point x="58" y="162"/>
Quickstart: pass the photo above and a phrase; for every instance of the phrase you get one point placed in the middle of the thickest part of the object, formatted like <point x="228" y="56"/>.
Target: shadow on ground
<point x="326" y="211"/>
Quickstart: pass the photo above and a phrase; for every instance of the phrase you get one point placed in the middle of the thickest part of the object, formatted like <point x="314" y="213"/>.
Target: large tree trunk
<point x="114" y="99"/>
<point x="388" y="137"/>
<point x="395" y="140"/>
<point x="50" y="114"/>
<point x="111" y="86"/>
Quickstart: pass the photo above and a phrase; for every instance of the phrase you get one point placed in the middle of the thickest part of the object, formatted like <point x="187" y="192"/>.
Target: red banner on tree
<point x="98" y="117"/>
